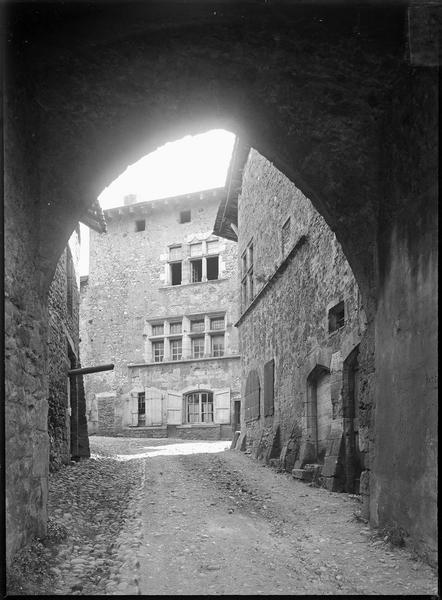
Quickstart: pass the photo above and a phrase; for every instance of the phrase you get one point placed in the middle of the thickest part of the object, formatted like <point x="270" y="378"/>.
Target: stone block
<point x="364" y="483"/>
<point x="302" y="474"/>
<point x="330" y="466"/>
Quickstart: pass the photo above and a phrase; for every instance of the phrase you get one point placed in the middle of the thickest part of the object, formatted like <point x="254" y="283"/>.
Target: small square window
<point x="158" y="329"/>
<point x="140" y="225"/>
<point x="197" y="325"/>
<point x="196" y="249"/>
<point x="217" y="323"/>
<point x="175" y="327"/>
<point x="175" y="253"/>
<point x="336" y="317"/>
<point x="185" y="216"/>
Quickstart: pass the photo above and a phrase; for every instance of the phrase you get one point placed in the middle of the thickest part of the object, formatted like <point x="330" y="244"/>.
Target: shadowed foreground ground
<point x="177" y="517"/>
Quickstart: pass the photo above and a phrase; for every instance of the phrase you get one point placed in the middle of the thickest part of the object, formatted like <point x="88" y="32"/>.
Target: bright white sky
<point x="191" y="164"/>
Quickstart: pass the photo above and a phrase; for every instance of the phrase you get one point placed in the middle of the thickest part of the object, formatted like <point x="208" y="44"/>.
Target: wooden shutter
<point x="221" y="402"/>
<point x="134" y="406"/>
<point x="252" y="397"/>
<point x="154" y="406"/>
<point x="269" y="370"/>
<point x="174" y="408"/>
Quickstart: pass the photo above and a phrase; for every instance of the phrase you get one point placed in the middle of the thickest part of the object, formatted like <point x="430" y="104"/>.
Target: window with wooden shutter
<point x="222" y="405"/>
<point x="174" y="407"/>
<point x="252" y="397"/>
<point x="269" y="374"/>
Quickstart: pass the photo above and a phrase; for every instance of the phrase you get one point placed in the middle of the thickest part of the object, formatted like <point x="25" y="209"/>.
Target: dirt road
<point x="176" y="517"/>
<point x="222" y="523"/>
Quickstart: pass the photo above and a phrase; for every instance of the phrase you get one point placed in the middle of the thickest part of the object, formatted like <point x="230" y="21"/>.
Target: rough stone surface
<point x="330" y="94"/>
<point x="288" y="319"/>
<point x="128" y="287"/>
<point x="406" y="387"/>
<point x="64" y="410"/>
<point x="175" y="517"/>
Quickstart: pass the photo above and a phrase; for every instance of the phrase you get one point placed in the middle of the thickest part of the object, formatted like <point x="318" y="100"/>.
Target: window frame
<point x="154" y="354"/>
<point x="200" y="340"/>
<point x="156" y="325"/>
<point x="192" y="270"/>
<point x="183" y="216"/>
<point x="175" y="356"/>
<point x="171" y="266"/>
<point x="206" y="407"/>
<point x="140" y="225"/>
<point x="222" y="320"/>
<point x="195" y="320"/>
<point x="175" y="323"/>
<point x="216" y="352"/>
<point x="212" y="258"/>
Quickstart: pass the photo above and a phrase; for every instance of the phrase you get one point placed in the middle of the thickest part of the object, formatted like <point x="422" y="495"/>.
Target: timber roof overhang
<point x="226" y="222"/>
<point x="94" y="218"/>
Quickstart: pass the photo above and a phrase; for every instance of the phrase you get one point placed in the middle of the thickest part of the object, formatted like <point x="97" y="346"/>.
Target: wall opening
<point x="176" y="273"/>
<point x="212" y="267"/>
<point x="198" y="407"/>
<point x="319" y="413"/>
<point x="353" y="455"/>
<point x="336" y="317"/>
<point x="185" y="216"/>
<point x="196" y="270"/>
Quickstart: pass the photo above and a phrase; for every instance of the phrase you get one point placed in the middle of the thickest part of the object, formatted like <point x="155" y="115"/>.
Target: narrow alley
<point x="176" y="517"/>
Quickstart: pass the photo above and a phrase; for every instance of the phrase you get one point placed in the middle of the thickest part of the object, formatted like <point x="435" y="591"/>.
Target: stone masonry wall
<point x="63" y="334"/>
<point x="26" y="436"/>
<point x="127" y="286"/>
<point x="289" y="321"/>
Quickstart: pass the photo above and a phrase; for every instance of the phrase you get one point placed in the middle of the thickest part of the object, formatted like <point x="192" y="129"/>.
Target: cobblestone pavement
<point x="177" y="517"/>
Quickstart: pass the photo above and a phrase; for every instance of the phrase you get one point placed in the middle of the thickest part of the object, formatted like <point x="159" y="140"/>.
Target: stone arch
<point x="155" y="81"/>
<point x="331" y="96"/>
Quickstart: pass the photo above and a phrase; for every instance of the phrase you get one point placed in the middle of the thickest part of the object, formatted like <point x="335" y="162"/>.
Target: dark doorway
<point x="73" y="406"/>
<point x="353" y="458"/>
<point x="237" y="416"/>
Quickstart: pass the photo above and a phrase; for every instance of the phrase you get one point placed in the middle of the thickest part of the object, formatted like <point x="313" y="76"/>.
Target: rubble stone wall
<point x="63" y="350"/>
<point x="127" y="286"/>
<point x="26" y="328"/>
<point x="288" y="320"/>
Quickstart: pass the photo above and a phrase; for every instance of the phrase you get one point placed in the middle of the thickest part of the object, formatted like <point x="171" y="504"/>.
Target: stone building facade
<point x="160" y="302"/>
<point x="300" y="327"/>
<point x="67" y="427"/>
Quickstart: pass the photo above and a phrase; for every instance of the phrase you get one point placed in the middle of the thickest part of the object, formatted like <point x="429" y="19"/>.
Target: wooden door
<point x="323" y="413"/>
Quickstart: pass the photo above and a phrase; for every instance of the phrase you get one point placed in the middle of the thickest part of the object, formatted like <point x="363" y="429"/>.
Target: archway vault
<point x="328" y="93"/>
<point x="307" y="87"/>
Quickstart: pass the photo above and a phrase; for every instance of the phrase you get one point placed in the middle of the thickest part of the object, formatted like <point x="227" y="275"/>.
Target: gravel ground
<point x="175" y="517"/>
